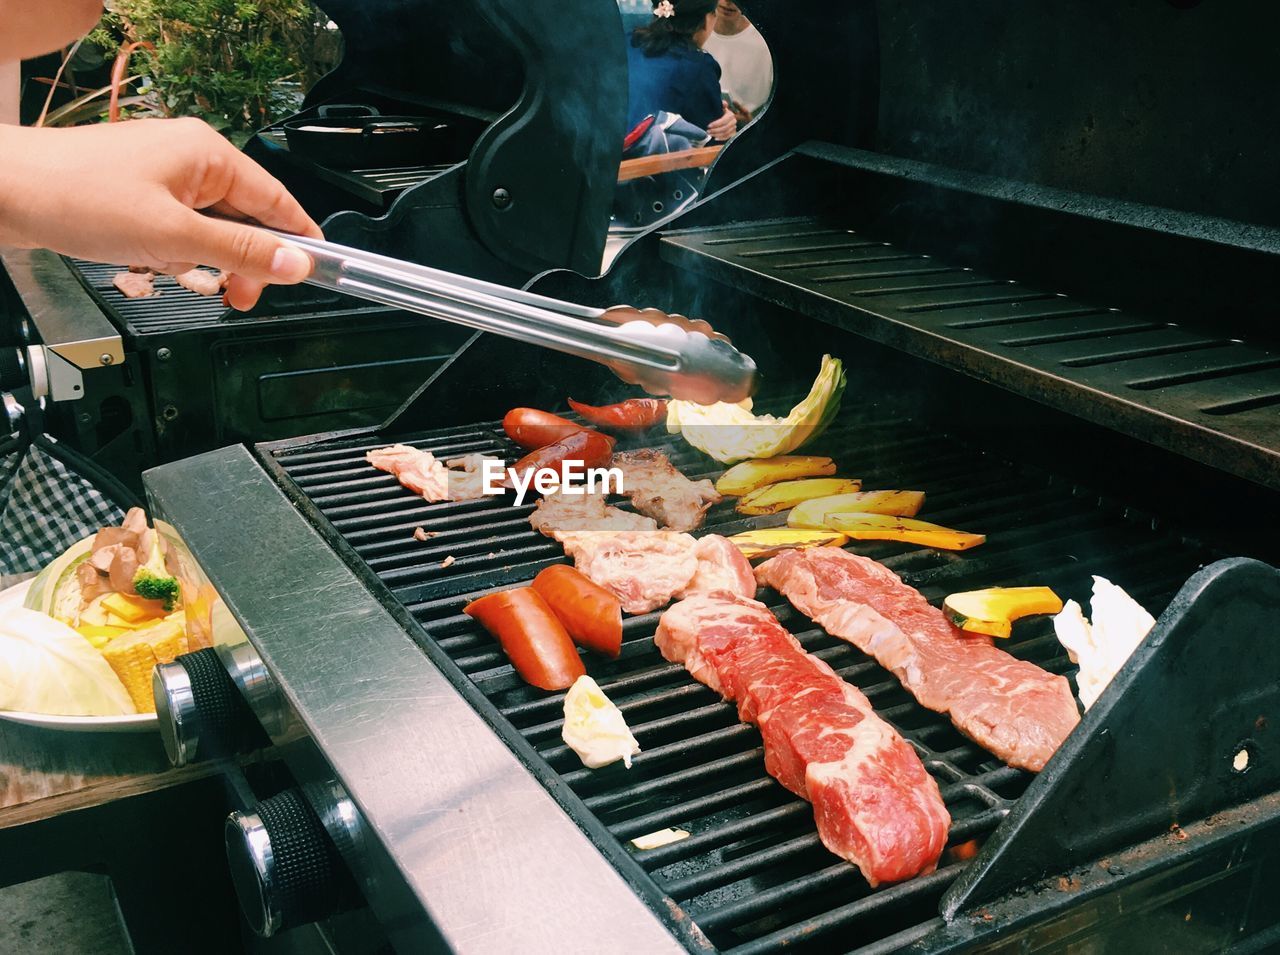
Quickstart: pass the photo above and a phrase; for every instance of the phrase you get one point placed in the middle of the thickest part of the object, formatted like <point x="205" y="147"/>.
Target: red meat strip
<point x="1012" y="708"/>
<point x="873" y="801"/>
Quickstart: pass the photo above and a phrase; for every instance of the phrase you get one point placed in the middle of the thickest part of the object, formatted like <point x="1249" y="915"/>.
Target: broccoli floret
<point x="154" y="587"/>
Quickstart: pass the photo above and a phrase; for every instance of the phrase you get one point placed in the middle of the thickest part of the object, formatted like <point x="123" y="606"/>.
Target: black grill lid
<point x="548" y="83"/>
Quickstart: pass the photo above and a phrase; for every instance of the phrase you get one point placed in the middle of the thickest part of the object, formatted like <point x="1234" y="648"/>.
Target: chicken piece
<point x="558" y="514"/>
<point x="466" y="476"/>
<point x="465" y="485"/>
<point x="136" y="284"/>
<point x="392" y="458"/>
<point x="643" y="569"/>
<point x="202" y="281"/>
<point x="417" y="470"/>
<point x="471" y="463"/>
<point x="657" y="489"/>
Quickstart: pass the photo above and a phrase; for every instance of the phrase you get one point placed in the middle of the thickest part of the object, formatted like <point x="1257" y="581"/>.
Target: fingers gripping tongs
<point x="664" y="354"/>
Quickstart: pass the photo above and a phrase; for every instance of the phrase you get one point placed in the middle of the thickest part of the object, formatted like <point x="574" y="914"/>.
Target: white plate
<point x="131" y="723"/>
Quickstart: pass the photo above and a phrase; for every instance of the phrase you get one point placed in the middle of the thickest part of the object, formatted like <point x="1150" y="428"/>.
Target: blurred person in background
<point x="136" y="193"/>
<point x="668" y="72"/>
<point x="746" y="67"/>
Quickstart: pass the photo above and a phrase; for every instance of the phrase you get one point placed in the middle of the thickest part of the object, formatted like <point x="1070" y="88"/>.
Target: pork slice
<point x="658" y="489"/>
<point x="202" y="281"/>
<point x="643" y="569"/>
<point x="1013" y="708"/>
<point x="135" y="284"/>
<point x="874" y="803"/>
<point x="721" y="567"/>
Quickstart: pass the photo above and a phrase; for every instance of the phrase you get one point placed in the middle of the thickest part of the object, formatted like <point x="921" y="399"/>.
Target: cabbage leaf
<point x="46" y="667"/>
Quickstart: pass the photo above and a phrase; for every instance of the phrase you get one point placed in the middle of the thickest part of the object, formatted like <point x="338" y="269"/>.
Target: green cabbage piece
<point x="55" y="590"/>
<point x="46" y="667"/>
<point x="731" y="433"/>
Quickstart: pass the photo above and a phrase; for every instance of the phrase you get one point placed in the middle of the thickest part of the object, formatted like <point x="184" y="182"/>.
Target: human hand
<point x="742" y="115"/>
<point x="724" y="127"/>
<point x="134" y="194"/>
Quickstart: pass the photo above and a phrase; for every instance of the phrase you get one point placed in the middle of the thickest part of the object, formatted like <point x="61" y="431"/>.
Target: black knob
<point x="285" y="866"/>
<point x="202" y="713"/>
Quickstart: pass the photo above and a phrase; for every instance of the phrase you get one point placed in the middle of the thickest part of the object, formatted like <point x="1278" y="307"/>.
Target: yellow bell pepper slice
<point x="773" y="540"/>
<point x="746" y="477"/>
<point x="992" y="611"/>
<point x="814" y="513"/>
<point x="778" y="497"/>
<point x="888" y="527"/>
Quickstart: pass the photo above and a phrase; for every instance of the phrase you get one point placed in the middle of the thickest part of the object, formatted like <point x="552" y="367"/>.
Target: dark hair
<point x="663" y="33"/>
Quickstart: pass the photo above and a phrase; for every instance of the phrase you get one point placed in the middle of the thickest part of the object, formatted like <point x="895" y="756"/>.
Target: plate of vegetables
<point x="78" y="642"/>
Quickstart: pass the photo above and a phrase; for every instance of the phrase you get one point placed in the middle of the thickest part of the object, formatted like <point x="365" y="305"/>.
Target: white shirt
<point x="746" y="68"/>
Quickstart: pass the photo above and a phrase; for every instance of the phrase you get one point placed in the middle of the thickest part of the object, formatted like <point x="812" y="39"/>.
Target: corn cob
<point x="134" y="655"/>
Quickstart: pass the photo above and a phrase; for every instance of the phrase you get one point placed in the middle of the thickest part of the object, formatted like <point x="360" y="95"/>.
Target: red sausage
<point x="531" y="635"/>
<point x="591" y="614"/>
<point x="531" y="428"/>
<point x="635" y="414"/>
<point x="591" y="448"/>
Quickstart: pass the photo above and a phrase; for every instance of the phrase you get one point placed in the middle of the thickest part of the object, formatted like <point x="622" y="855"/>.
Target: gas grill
<point x="1084" y="377"/>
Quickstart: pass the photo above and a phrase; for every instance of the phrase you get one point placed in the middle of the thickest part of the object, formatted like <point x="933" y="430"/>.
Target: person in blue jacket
<point x="668" y="71"/>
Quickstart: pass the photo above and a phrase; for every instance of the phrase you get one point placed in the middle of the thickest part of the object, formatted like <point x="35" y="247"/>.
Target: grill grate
<point x="1192" y="390"/>
<point x="752" y="875"/>
<point x="174" y="309"/>
<point x="377" y="186"/>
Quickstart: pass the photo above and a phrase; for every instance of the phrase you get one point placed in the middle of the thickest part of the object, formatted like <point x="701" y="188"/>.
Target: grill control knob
<point x="284" y="861"/>
<point x="202" y="711"/>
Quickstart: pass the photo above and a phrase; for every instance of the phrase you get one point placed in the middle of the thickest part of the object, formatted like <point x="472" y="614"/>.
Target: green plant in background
<point x="237" y="65"/>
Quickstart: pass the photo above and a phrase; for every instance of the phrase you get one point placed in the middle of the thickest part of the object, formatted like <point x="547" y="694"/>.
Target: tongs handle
<point x="663" y="360"/>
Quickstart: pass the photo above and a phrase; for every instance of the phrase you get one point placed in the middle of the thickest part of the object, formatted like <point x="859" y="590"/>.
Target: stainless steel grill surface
<point x="174" y="309"/>
<point x="1194" y="389"/>
<point x="753" y="875"/>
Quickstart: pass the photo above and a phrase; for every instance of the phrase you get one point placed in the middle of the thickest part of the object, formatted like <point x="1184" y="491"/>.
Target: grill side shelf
<point x="1184" y="730"/>
<point x="1197" y="392"/>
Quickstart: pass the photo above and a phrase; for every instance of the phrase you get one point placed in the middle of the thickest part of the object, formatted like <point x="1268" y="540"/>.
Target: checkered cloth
<point x="47" y="507"/>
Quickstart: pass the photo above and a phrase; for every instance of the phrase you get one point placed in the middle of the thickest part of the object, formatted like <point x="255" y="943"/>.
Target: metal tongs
<point x="664" y="354"/>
